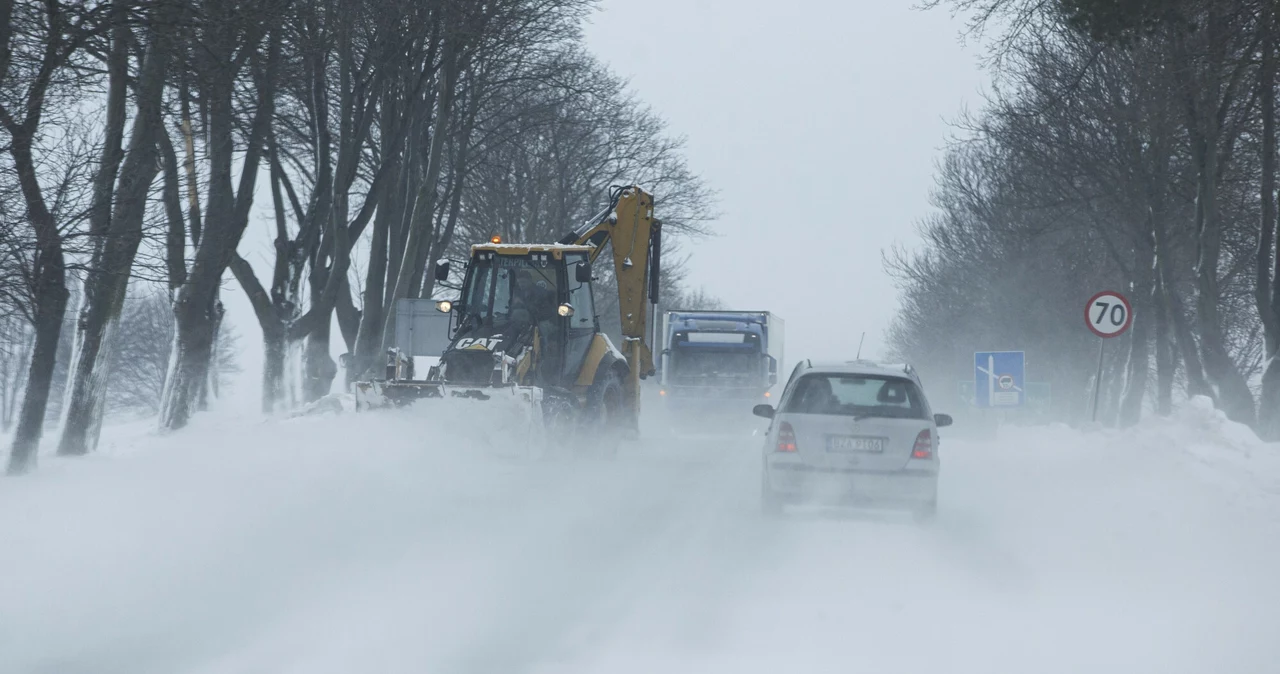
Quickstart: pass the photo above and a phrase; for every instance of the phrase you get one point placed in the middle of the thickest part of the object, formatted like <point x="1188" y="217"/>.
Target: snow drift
<point x="395" y="542"/>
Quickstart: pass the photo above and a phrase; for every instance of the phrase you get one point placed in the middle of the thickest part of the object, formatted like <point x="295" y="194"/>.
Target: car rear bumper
<point x="796" y="481"/>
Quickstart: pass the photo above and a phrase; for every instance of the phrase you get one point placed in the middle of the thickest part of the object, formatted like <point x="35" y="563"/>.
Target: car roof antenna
<point x="864" y="336"/>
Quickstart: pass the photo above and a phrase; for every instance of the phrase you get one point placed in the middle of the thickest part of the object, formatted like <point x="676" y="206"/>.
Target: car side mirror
<point x="442" y="270"/>
<point x="582" y="272"/>
<point x="765" y="411"/>
<point x="942" y="420"/>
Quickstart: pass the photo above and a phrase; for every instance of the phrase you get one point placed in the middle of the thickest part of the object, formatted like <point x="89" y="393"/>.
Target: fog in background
<point x="819" y="122"/>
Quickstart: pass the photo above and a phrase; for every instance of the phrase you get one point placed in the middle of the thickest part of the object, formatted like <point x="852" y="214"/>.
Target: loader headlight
<point x="444" y="306"/>
<point x="565" y="310"/>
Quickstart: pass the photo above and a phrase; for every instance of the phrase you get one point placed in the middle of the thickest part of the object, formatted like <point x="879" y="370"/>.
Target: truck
<point x="718" y="363"/>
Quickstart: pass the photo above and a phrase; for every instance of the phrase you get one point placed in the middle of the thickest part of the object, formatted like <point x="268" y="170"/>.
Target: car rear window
<point x="857" y="395"/>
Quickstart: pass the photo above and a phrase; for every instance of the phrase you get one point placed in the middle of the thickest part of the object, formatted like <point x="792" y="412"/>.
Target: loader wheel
<point x="605" y="415"/>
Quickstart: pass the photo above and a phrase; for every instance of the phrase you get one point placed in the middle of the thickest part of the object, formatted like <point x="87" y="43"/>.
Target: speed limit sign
<point x="1108" y="314"/>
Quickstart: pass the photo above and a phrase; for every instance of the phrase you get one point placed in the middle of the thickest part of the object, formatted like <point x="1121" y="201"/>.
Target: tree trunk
<point x="49" y="288"/>
<point x="420" y="230"/>
<point x="1139" y="362"/>
<point x="274" y="334"/>
<point x="318" y="365"/>
<point x="1208" y="103"/>
<point x="49" y="313"/>
<point x="108" y="279"/>
<point x="348" y="316"/>
<point x="1267" y="292"/>
<point x="1137" y="369"/>
<point x="104" y="181"/>
<point x="1166" y="359"/>
<point x="457" y="181"/>
<point x="209" y="388"/>
<point x="227" y="217"/>
<point x="369" y="336"/>
<point x="1197" y="384"/>
<point x="275" y="350"/>
<point x="189" y="364"/>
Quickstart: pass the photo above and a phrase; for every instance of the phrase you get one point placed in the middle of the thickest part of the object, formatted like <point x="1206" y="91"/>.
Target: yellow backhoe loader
<point x="524" y="330"/>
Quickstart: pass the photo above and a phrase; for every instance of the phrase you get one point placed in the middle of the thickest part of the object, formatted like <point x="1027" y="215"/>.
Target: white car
<point x="852" y="433"/>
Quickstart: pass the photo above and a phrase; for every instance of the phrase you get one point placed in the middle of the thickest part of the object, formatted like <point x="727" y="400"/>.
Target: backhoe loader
<point x="524" y="330"/>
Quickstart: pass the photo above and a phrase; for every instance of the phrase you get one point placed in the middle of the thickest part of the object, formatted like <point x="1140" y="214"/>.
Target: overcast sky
<point x="819" y="122"/>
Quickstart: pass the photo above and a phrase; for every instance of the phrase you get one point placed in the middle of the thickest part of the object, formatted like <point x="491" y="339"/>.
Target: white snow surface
<point x="395" y="542"/>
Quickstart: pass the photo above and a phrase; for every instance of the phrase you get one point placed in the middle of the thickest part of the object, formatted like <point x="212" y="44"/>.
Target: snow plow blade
<point x="380" y="394"/>
<point x="513" y="424"/>
<point x="374" y="394"/>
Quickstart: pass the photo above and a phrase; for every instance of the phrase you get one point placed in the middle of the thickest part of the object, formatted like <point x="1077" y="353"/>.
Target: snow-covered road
<point x="370" y="544"/>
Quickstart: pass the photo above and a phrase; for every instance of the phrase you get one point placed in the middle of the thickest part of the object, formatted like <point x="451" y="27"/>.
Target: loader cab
<point x="520" y="302"/>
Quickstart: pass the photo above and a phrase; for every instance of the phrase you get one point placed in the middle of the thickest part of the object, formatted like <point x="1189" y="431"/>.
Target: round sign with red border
<point x="1108" y="314"/>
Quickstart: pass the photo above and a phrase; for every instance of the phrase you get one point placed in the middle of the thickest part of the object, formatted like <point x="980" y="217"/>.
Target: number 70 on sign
<point x="1108" y="314"/>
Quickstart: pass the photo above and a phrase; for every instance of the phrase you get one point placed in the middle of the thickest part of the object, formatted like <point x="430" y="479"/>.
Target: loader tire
<point x="605" y="416"/>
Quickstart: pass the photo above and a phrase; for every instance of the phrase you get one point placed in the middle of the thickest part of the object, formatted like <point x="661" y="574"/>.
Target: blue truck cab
<point x="719" y="361"/>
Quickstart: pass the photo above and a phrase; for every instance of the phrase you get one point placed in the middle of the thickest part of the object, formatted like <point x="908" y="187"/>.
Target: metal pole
<point x="1097" y="382"/>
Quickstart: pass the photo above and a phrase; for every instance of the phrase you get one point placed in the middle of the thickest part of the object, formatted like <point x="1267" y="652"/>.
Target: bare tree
<point x="229" y="39"/>
<point x="40" y="51"/>
<point x="117" y="229"/>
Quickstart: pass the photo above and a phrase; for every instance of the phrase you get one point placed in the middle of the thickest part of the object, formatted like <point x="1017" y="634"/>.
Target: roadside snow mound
<point x="1196" y="441"/>
<point x="1224" y="452"/>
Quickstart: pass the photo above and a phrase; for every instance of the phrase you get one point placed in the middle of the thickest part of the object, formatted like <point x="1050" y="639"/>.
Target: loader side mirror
<point x="942" y="420"/>
<point x="765" y="411"/>
<point x="442" y="270"/>
<point x="582" y="272"/>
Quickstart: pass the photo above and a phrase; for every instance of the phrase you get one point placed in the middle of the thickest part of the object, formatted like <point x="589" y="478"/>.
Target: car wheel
<point x="770" y="502"/>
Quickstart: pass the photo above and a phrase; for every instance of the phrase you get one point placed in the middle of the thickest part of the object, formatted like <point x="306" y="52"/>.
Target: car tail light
<point x="786" y="438"/>
<point x="923" y="448"/>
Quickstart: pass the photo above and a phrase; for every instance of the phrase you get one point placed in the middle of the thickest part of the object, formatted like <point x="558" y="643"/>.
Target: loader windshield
<point x="504" y="290"/>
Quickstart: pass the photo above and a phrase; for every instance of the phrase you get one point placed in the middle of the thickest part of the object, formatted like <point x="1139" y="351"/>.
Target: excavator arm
<point x="628" y="224"/>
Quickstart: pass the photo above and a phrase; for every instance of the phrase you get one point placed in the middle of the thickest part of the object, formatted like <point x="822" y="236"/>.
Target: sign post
<point x="1108" y="314"/>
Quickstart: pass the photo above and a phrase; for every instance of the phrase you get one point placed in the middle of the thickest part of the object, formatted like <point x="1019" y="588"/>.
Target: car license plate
<point x="854" y="443"/>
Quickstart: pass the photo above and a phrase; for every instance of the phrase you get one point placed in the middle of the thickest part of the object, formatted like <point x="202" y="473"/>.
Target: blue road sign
<point x="999" y="379"/>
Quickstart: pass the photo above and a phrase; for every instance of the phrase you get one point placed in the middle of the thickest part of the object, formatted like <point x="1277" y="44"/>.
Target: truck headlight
<point x="565" y="310"/>
<point x="444" y="306"/>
